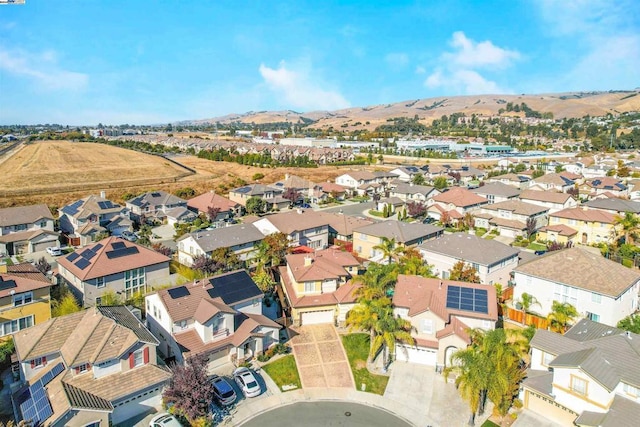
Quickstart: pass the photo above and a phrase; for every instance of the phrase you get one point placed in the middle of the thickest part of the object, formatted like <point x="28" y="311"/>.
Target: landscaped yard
<point x="376" y="213"/>
<point x="357" y="348"/>
<point x="284" y="372"/>
<point x="535" y="246"/>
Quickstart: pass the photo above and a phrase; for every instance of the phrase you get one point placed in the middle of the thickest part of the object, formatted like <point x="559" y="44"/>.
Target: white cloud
<point x="42" y="68"/>
<point x="483" y="54"/>
<point x="458" y="71"/>
<point x="420" y="69"/>
<point x="301" y="88"/>
<point x="467" y="82"/>
<point x="397" y="60"/>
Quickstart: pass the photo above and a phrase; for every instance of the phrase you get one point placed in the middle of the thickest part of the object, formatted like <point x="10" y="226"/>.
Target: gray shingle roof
<point x="497" y="189"/>
<point x="470" y="248"/>
<point x="79" y="398"/>
<point x="618" y="205"/>
<point x="226" y="237"/>
<point x="583" y="269"/>
<point x="124" y="317"/>
<point x="401" y="231"/>
<point x="622" y="412"/>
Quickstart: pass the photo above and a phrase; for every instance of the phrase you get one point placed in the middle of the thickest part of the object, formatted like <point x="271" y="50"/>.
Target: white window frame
<point x="597" y="298"/>
<point x="138" y="354"/>
<point x="631" y="390"/>
<point x="15" y="325"/>
<point x="576" y="385"/>
<point x="134" y="281"/>
<point x="564" y="293"/>
<point x="309" y="287"/>
<point x="38" y="362"/>
<point x="426" y="326"/>
<point x="22" y="299"/>
<point x="100" y="282"/>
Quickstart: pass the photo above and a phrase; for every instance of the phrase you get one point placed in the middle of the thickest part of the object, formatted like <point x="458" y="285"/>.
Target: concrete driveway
<point x="526" y="418"/>
<point x="421" y="388"/>
<point x="321" y="359"/>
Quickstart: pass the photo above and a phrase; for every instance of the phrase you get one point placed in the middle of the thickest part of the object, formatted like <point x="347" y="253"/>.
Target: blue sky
<point x="85" y="61"/>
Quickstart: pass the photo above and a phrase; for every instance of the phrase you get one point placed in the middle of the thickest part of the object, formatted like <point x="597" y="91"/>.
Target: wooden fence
<point x="529" y="319"/>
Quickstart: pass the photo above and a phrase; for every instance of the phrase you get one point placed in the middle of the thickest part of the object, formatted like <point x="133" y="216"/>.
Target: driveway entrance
<point x="320" y="357"/>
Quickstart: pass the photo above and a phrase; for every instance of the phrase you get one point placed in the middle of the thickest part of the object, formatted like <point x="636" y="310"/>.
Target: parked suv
<point x="128" y="235"/>
<point x="223" y="391"/>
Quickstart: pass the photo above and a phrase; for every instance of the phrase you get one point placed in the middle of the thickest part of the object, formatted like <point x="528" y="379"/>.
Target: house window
<point x="594" y="317"/>
<point x="98" y="300"/>
<point x="363" y="236"/>
<point x="578" y="385"/>
<point x="486" y="324"/>
<point x="445" y="275"/>
<point x="82" y="368"/>
<point x="134" y="281"/>
<point x="38" y="362"/>
<point x="13" y="326"/>
<point x="547" y="358"/>
<point x="597" y="298"/>
<point x="565" y="293"/>
<point x="20" y="227"/>
<point x="138" y="358"/>
<point x="426" y="326"/>
<point x="309" y="287"/>
<point x="93" y="424"/>
<point x="475" y="266"/>
<point x="100" y="282"/>
<point x="22" y="299"/>
<point x="631" y="390"/>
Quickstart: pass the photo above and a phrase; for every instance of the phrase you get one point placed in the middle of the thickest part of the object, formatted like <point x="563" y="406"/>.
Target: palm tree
<point x="627" y="227"/>
<point x="365" y="315"/>
<point x="527" y="301"/>
<point x="389" y="248"/>
<point x="388" y="331"/>
<point x="562" y="313"/>
<point x="378" y="281"/>
<point x="470" y="367"/>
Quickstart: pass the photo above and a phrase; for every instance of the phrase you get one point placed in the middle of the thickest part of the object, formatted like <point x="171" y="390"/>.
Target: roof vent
<point x="308" y="261"/>
<point x="628" y="335"/>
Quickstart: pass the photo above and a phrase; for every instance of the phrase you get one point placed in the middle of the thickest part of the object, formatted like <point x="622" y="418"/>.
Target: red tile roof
<point x="563" y="230"/>
<point x="324" y="265"/>
<point x="585" y="214"/>
<point x="211" y="199"/>
<point x="459" y="196"/>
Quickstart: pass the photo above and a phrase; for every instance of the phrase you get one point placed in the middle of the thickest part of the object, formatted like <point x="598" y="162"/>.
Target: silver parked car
<point x="247" y="382"/>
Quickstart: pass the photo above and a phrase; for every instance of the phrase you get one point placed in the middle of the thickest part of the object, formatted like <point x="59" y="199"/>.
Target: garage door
<point x="218" y="358"/>
<point x="422" y="356"/>
<point x="136" y="406"/>
<point x="548" y="409"/>
<point x="42" y="246"/>
<point x="317" y="317"/>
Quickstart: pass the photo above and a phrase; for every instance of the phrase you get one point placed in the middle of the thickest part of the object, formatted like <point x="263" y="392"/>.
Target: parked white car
<point x="130" y="236"/>
<point x="54" y="251"/>
<point x="247" y="382"/>
<point x="164" y="420"/>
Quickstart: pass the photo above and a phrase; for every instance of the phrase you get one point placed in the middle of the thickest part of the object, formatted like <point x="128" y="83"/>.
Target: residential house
<point x="606" y="184"/>
<point x="519" y="181"/>
<point x="219" y="317"/>
<point x="600" y="289"/>
<point x="155" y="206"/>
<point x="560" y="233"/>
<point x="406" y="173"/>
<point x="83" y="220"/>
<point x="593" y="226"/>
<point x="596" y="171"/>
<point x="441" y="313"/>
<point x="241" y="239"/>
<point x="413" y="193"/>
<point x="549" y="199"/>
<point x="96" y="367"/>
<point x="614" y="206"/>
<point x="590" y="376"/>
<point x="492" y="260"/>
<point x="303" y="226"/>
<point x="366" y="238"/>
<point x="26" y="229"/>
<point x="318" y="287"/>
<point x="341" y="227"/>
<point x="365" y="181"/>
<point x="331" y="189"/>
<point x="468" y="174"/>
<point x="24" y="297"/>
<point x="272" y="196"/>
<point x="496" y="192"/>
<point x="553" y="182"/>
<point x="455" y="202"/>
<point x="115" y="265"/>
<point x="510" y="217"/>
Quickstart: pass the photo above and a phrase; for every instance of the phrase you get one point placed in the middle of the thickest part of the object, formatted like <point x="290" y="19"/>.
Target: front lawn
<point x="284" y="372"/>
<point x="376" y="213"/>
<point x="357" y="348"/>
<point x="535" y="246"/>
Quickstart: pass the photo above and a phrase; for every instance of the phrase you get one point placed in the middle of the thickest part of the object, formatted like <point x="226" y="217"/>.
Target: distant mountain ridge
<point x="561" y="105"/>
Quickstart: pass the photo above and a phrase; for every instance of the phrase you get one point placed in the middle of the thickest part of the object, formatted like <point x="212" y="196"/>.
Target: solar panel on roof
<point x="122" y="252"/>
<point x="73" y="208"/>
<point x="88" y="254"/>
<point x="29" y="413"/>
<point x="468" y="299"/>
<point x="82" y="263"/>
<point x="179" y="292"/>
<point x="243" y="190"/>
<point x="46" y="378"/>
<point x="155" y="195"/>
<point x="97" y="247"/>
<point x="7" y="284"/>
<point x="117" y="245"/>
<point x="38" y="393"/>
<point x="72" y="256"/>
<point x="43" y="407"/>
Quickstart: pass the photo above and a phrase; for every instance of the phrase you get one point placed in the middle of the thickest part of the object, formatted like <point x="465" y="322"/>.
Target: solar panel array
<point x="106" y="205"/>
<point x="7" y="284"/>
<point x="117" y="245"/>
<point x="37" y="407"/>
<point x="73" y="208"/>
<point x="73" y="256"/>
<point x="117" y="253"/>
<point x="84" y="258"/>
<point x="242" y="190"/>
<point x="467" y="299"/>
<point x="178" y="292"/>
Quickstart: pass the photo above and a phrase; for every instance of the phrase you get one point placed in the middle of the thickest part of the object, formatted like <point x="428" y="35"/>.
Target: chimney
<point x="103" y="194"/>
<point x="3" y="267"/>
<point x="308" y="261"/>
<point x="629" y="335"/>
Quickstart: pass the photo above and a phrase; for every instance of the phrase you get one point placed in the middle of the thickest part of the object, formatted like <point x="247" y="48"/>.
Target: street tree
<point x="463" y="272"/>
<point x="189" y="387"/>
<point x="255" y="205"/>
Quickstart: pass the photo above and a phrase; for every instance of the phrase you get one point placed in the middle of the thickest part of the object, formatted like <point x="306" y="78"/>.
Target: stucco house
<point x="220" y="317"/>
<point x="456" y="202"/>
<point x="154" y="206"/>
<point x="441" y="312"/>
<point x="271" y="195"/>
<point x="493" y="260"/>
<point x="511" y="216"/>
<point x="366" y="238"/>
<point x="225" y="207"/>
<point x="593" y="225"/>
<point x="589" y="377"/>
<point x="26" y="229"/>
<point x="496" y="192"/>
<point x="112" y="264"/>
<point x="242" y="239"/>
<point x="553" y="182"/>
<point x="303" y="226"/>
<point x="318" y="287"/>
<point x="413" y="193"/>
<point x="600" y="289"/>
<point x="595" y="186"/>
<point x="96" y="367"/>
<point x="549" y="199"/>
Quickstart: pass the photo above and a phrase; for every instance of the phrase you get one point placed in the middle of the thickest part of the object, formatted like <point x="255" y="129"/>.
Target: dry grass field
<point x="58" y="172"/>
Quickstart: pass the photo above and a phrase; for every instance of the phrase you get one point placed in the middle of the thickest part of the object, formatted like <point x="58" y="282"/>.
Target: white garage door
<point x="218" y="358"/>
<point x="316" y="317"/>
<point x="137" y="406"/>
<point x="423" y="356"/>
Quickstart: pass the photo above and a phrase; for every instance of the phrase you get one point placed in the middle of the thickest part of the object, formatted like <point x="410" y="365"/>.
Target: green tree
<point x="418" y="179"/>
<point x="109" y="297"/>
<point x="263" y="279"/>
<point x="389" y="330"/>
<point x="66" y="305"/>
<point x="227" y="258"/>
<point x="463" y="272"/>
<point x="630" y="323"/>
<point x="364" y="316"/>
<point x="537" y="173"/>
<point x="389" y="248"/>
<point x="377" y="282"/>
<point x="440" y="183"/>
<point x="255" y="205"/>
<point x="562" y="314"/>
<point x="626" y="227"/>
<point x="527" y="301"/>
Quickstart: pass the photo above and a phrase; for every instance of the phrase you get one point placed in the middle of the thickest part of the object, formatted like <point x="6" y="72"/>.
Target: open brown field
<point x="59" y="172"/>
